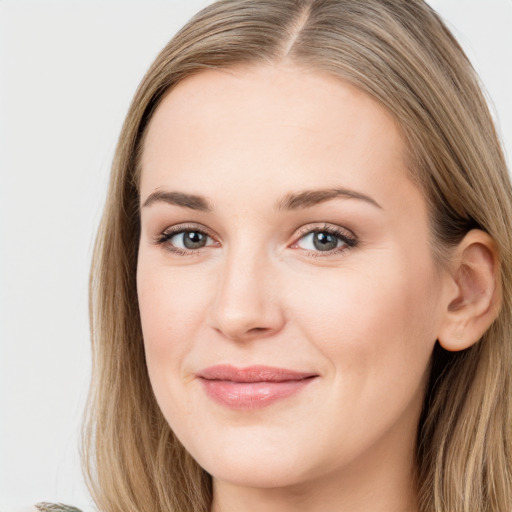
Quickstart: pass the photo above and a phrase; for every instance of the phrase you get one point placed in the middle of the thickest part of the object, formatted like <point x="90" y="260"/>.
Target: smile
<point x="253" y="387"/>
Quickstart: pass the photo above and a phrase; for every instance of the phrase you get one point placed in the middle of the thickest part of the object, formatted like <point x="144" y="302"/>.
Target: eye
<point x="184" y="241"/>
<point x="327" y="239"/>
<point x="189" y="240"/>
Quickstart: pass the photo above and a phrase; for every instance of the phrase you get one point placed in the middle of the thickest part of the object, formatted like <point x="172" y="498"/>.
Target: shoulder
<point x="48" y="507"/>
<point x="53" y="507"/>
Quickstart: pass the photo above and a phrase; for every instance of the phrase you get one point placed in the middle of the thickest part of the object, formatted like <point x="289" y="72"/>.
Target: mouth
<point x="253" y="387"/>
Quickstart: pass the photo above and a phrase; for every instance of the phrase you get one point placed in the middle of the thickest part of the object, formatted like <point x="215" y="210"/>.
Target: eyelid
<point x="186" y="226"/>
<point x="164" y="236"/>
<point x="348" y="238"/>
<point x="308" y="228"/>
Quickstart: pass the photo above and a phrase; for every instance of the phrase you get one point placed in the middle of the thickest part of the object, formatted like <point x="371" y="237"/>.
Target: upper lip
<point x="252" y="374"/>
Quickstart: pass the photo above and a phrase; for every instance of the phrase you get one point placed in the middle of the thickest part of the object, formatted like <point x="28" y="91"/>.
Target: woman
<point x="301" y="293"/>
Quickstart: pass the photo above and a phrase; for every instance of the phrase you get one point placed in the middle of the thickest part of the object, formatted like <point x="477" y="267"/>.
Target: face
<point x="288" y="295"/>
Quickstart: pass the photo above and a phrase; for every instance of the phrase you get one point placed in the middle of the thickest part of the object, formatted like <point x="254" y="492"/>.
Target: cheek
<point x="376" y="318"/>
<point x="170" y="301"/>
<point x="172" y="307"/>
<point x="375" y="330"/>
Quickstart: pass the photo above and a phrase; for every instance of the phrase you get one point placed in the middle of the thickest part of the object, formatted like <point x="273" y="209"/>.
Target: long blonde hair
<point x="401" y="53"/>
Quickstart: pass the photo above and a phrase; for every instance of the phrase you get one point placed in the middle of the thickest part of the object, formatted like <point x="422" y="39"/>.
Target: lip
<point x="252" y="387"/>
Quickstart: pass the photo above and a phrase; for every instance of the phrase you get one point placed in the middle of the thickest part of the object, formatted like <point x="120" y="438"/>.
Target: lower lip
<point x="252" y="395"/>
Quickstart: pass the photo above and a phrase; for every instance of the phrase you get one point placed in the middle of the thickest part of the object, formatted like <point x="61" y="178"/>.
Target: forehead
<point x="267" y="128"/>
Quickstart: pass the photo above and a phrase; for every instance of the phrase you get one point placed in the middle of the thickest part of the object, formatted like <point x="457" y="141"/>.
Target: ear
<point x="474" y="298"/>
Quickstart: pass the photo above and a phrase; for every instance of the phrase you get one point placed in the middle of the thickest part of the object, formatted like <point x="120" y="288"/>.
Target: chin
<point x="250" y="464"/>
<point x="256" y="475"/>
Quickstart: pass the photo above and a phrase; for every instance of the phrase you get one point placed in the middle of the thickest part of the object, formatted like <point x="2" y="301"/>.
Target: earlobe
<point x="476" y="297"/>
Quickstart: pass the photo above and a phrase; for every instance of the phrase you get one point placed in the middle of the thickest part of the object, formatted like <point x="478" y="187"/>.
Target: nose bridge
<point x="246" y="304"/>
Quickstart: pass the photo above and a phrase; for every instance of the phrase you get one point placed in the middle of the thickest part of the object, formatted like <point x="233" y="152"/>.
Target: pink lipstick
<point x="252" y="387"/>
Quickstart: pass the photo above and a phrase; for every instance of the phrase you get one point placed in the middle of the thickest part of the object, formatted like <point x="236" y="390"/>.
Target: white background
<point x="68" y="70"/>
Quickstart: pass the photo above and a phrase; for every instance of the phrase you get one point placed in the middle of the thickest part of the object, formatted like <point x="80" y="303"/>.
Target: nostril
<point x="256" y="332"/>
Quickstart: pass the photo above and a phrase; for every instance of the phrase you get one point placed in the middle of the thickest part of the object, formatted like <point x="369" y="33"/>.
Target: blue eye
<point x="185" y="240"/>
<point x="327" y="239"/>
<point x="189" y="240"/>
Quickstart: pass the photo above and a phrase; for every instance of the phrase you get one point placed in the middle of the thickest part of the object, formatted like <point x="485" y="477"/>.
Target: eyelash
<point x="169" y="233"/>
<point x="347" y="238"/>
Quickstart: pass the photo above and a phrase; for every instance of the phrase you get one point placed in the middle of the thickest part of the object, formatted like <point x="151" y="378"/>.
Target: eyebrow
<point x="294" y="201"/>
<point x="310" y="198"/>
<point x="190" y="201"/>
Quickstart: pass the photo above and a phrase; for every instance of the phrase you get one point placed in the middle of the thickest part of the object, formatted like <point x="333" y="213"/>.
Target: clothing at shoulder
<point x="55" y="507"/>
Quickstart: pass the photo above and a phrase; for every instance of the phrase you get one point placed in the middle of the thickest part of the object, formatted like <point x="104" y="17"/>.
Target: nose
<point x="247" y="303"/>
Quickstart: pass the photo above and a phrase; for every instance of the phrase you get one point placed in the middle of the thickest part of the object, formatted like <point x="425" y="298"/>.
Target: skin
<point x="364" y="319"/>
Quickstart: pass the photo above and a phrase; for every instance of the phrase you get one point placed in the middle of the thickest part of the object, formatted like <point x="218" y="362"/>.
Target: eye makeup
<point x="316" y="241"/>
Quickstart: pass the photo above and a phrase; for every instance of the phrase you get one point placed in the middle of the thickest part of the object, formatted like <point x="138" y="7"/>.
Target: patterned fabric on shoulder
<point x="55" y="507"/>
